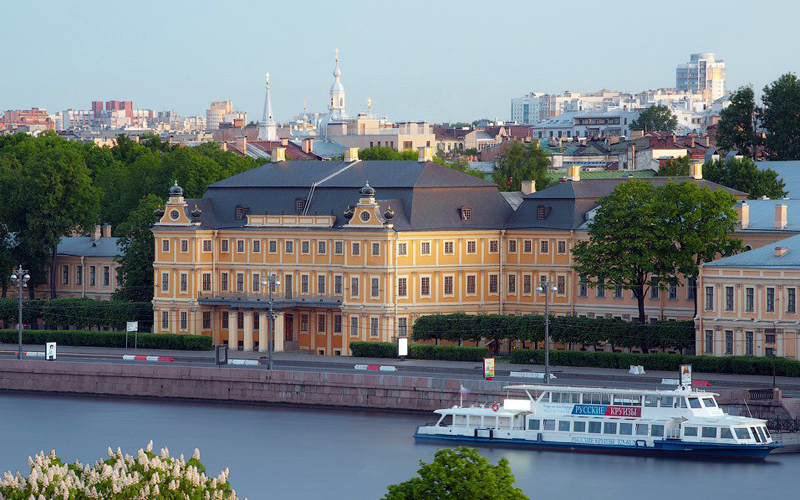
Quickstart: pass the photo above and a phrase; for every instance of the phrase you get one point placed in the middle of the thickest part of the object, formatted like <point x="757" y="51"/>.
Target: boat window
<point x="710" y="432"/>
<point x="651" y="401"/>
<point x="725" y="433"/>
<point x="667" y="401"/>
<point x="563" y="425"/>
<point x="533" y="424"/>
<point x="489" y="422"/>
<point x="657" y="430"/>
<point x="587" y="399"/>
<point x="474" y="421"/>
<point x="546" y="397"/>
<point x="575" y="397"/>
<point x="549" y="425"/>
<point x="694" y="403"/>
<point x="605" y="399"/>
<point x="641" y="429"/>
<point x="626" y="429"/>
<point x="579" y="426"/>
<point x="683" y="402"/>
<point x="609" y="427"/>
<point x="690" y="431"/>
<point x="761" y="433"/>
<point x="460" y="420"/>
<point x="555" y="397"/>
<point x="767" y="431"/>
<point x="742" y="433"/>
<point x="755" y="434"/>
<point x="594" y="427"/>
<point x="709" y="403"/>
<point x="503" y="422"/>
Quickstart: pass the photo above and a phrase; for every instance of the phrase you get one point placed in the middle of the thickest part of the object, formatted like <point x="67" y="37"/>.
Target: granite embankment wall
<point x="344" y="390"/>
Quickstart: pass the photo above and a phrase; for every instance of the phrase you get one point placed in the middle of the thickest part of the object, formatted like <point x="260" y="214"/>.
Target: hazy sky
<point x="418" y="60"/>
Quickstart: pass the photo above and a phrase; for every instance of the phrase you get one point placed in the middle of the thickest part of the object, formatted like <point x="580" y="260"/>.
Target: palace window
<point x="583" y="286"/>
<point x="748" y="343"/>
<point x="184" y="286"/>
<point x="749" y="299"/>
<point x="239" y="246"/>
<point x="164" y="282"/>
<point x="354" y="326"/>
<point x="425" y="248"/>
<point x="92" y="275"/>
<point x="494" y="246"/>
<point x="256" y="246"/>
<point x="354" y="286"/>
<point x="561" y="285"/>
<point x="184" y="320"/>
<point x="206" y="282"/>
<point x="729" y="298"/>
<point x="448" y="285"/>
<point x="256" y="283"/>
<point x="322" y="247"/>
<point x="355" y="249"/>
<point x="425" y="286"/>
<point x="79" y="275"/>
<point x="472" y="247"/>
<point x="542" y="212"/>
<point x="240" y="212"/>
<point x="561" y="247"/>
<point x="527" y="246"/>
<point x="320" y="323"/>
<point x="466" y="213"/>
<point x="165" y="245"/>
<point x="512" y="284"/>
<point x="240" y="282"/>
<point x="402" y="287"/>
<point x="526" y="283"/>
<point x="374" y="327"/>
<point x="184" y="246"/>
<point x="402" y="327"/>
<point x="402" y="249"/>
<point x="709" y="347"/>
<point x="207" y="245"/>
<point x="544" y="246"/>
<point x="321" y="284"/>
<point x="338" y="247"/>
<point x="273" y="246"/>
<point x="165" y="320"/>
<point x="337" y="284"/>
<point x="304" y="283"/>
<point x="206" y="320"/>
<point x="223" y="246"/>
<point x="305" y="247"/>
<point x="449" y="248"/>
<point x="289" y="246"/>
<point x="337" y="323"/>
<point x="770" y="299"/>
<point x="299" y="205"/>
<point x="223" y="282"/>
<point x="304" y="322"/>
<point x="376" y="248"/>
<point x="728" y="342"/>
<point x="471" y="284"/>
<point x="709" y="298"/>
<point x="791" y="300"/>
<point x="512" y="246"/>
<point x="375" y="287"/>
<point x="493" y="283"/>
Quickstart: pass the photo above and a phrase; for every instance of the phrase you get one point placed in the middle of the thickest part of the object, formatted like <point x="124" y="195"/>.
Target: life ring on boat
<point x="495" y="406"/>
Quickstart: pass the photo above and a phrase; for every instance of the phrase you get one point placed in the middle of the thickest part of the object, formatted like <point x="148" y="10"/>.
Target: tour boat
<point x="683" y="422"/>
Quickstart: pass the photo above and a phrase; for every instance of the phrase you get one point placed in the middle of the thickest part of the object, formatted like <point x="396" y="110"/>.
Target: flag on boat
<point x="464" y="391"/>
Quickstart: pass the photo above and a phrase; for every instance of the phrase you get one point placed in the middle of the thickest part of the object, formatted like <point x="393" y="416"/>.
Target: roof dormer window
<point x="466" y="213"/>
<point x="542" y="211"/>
<point x="299" y="205"/>
<point x="241" y="211"/>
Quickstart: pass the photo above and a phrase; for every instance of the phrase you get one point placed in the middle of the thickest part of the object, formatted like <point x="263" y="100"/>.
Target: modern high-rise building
<point x="703" y="74"/>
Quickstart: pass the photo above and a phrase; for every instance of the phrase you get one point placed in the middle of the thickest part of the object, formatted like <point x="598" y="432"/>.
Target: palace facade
<point x="361" y="249"/>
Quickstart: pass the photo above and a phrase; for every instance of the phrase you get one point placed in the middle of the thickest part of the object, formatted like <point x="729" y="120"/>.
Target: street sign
<point x="488" y="368"/>
<point x="686" y="375"/>
<point x="133" y="326"/>
<point x="402" y="347"/>
<point x="50" y="351"/>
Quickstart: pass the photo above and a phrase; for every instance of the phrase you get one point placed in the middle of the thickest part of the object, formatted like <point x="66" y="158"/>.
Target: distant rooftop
<point x="765" y="256"/>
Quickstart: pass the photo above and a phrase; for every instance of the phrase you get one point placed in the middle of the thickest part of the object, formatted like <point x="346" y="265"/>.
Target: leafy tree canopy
<point x="461" y="473"/>
<point x="137" y="245"/>
<point x="780" y="116"/>
<point x="744" y="175"/>
<point x="656" y="119"/>
<point x="675" y="167"/>
<point x="736" y="129"/>
<point x="521" y="162"/>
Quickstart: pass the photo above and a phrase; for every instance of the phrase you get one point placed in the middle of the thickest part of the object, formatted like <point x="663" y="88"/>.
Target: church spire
<point x="337" y="100"/>
<point x="267" y="131"/>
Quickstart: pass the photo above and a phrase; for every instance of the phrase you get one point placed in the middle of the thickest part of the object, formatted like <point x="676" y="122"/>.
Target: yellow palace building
<point x="361" y="249"/>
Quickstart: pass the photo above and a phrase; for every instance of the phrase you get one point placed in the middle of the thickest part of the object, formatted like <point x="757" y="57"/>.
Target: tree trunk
<point x="5" y="289"/>
<point x="639" y="294"/>
<point x="53" y="272"/>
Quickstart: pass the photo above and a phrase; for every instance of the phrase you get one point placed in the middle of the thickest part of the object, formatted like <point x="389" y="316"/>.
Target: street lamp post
<point x="545" y="287"/>
<point x="20" y="278"/>
<point x="270" y="283"/>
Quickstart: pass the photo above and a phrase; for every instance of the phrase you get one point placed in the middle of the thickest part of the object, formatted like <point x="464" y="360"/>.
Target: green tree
<point x="675" y="167"/>
<point x="780" y="117"/>
<point x="627" y="242"/>
<point x="461" y="473"/>
<point x="744" y="175"/>
<point x="655" y="119"/>
<point x="521" y="163"/>
<point x="47" y="197"/>
<point x="702" y="223"/>
<point x="736" y="129"/>
<point x="380" y="153"/>
<point x="460" y="164"/>
<point x="137" y="247"/>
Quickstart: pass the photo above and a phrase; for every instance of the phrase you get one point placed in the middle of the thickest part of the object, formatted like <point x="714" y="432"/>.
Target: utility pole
<point x="545" y="287"/>
<point x="271" y="282"/>
<point x="20" y="278"/>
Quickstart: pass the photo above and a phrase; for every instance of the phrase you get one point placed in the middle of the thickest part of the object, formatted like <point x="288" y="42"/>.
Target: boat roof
<point x="480" y="411"/>
<point x="608" y="390"/>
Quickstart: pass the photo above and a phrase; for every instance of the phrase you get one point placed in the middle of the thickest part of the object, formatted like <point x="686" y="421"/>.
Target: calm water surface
<point x="295" y="453"/>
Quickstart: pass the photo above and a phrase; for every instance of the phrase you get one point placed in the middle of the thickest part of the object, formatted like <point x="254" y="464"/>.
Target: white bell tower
<point x="267" y="130"/>
<point x="336" y="105"/>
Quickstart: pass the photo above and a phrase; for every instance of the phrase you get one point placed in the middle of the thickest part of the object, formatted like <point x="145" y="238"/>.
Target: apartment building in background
<point x="703" y="74"/>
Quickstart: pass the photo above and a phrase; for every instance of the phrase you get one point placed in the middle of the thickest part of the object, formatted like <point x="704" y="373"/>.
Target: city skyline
<point x="435" y="66"/>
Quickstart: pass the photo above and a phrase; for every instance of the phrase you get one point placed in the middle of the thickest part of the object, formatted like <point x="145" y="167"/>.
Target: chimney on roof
<point x="528" y="187"/>
<point x="241" y="143"/>
<point x="278" y="154"/>
<point x="224" y="146"/>
<point x="96" y="233"/>
<point x="284" y="142"/>
<point x="780" y="251"/>
<point x="781" y="215"/>
<point x="706" y="140"/>
<point x="691" y="141"/>
<point x="106" y="231"/>
<point x="425" y="154"/>
<point x="696" y="171"/>
<point x="743" y="209"/>
<point x="308" y="145"/>
<point x="575" y="173"/>
<point x="350" y="154"/>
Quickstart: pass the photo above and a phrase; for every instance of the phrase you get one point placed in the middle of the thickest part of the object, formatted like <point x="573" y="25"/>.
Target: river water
<point x="300" y="453"/>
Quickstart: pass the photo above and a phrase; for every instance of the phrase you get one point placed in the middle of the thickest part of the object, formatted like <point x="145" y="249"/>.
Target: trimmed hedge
<point x="109" y="339"/>
<point x="363" y="349"/>
<point x="564" y="329"/>
<point x="79" y="313"/>
<point x="742" y="365"/>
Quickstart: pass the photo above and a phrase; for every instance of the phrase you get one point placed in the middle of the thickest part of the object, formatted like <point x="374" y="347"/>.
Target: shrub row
<point x="744" y="365"/>
<point x="79" y="313"/>
<point x="570" y="330"/>
<point x="109" y="339"/>
<point x="418" y="351"/>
